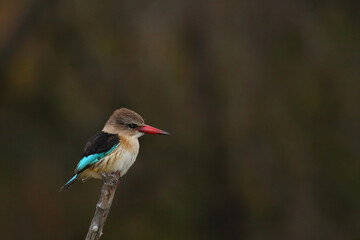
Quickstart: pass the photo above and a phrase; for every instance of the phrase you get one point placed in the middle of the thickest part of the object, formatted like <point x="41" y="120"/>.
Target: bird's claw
<point x="110" y="178"/>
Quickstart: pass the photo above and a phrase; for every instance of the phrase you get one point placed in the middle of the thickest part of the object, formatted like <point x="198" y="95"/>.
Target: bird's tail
<point x="69" y="183"/>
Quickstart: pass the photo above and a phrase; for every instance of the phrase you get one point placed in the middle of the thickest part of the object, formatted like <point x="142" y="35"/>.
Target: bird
<point x="114" y="149"/>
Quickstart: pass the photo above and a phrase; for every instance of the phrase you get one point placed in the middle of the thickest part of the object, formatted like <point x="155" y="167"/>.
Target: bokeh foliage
<point x="261" y="97"/>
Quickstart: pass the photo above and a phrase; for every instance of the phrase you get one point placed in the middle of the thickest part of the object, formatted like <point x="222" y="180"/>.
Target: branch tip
<point x="103" y="206"/>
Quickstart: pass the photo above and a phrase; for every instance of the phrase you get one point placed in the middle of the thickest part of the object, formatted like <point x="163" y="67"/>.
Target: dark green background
<point x="261" y="98"/>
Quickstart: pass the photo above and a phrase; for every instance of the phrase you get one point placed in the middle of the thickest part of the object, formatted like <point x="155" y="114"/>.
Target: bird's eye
<point x="131" y="125"/>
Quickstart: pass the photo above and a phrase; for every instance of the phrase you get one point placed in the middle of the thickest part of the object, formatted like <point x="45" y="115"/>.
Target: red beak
<point x="151" y="130"/>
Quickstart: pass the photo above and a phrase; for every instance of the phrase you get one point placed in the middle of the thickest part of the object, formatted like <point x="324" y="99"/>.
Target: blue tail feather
<point x="69" y="183"/>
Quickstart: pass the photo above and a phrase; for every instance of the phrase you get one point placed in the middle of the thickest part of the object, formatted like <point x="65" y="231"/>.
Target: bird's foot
<point x="118" y="174"/>
<point x="110" y="178"/>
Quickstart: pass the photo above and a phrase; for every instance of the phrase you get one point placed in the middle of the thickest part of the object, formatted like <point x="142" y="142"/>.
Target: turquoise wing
<point x="87" y="161"/>
<point x="98" y="147"/>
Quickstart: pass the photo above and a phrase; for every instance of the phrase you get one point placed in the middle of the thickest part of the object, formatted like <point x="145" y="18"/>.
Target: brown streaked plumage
<point x="120" y="119"/>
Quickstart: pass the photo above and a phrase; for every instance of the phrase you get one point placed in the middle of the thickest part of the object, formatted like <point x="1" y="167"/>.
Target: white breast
<point x="120" y="159"/>
<point x="124" y="156"/>
<point x="123" y="163"/>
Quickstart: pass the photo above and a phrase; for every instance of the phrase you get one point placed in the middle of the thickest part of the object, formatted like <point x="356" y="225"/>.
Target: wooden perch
<point x="103" y="206"/>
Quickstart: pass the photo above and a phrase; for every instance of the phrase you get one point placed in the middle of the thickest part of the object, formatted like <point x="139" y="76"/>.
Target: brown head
<point x="127" y="122"/>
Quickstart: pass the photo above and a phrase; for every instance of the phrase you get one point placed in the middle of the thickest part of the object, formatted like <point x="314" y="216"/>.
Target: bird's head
<point x="127" y="122"/>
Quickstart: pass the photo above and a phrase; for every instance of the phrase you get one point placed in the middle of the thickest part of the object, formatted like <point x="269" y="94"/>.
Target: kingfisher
<point x="115" y="148"/>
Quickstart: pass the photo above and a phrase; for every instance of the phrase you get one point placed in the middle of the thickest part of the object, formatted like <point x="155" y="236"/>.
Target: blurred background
<point x="261" y="98"/>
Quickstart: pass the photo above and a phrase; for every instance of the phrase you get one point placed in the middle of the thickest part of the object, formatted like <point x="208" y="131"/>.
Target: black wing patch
<point x="100" y="142"/>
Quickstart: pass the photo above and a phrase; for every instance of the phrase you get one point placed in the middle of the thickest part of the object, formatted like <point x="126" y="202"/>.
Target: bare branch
<point x="103" y="206"/>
